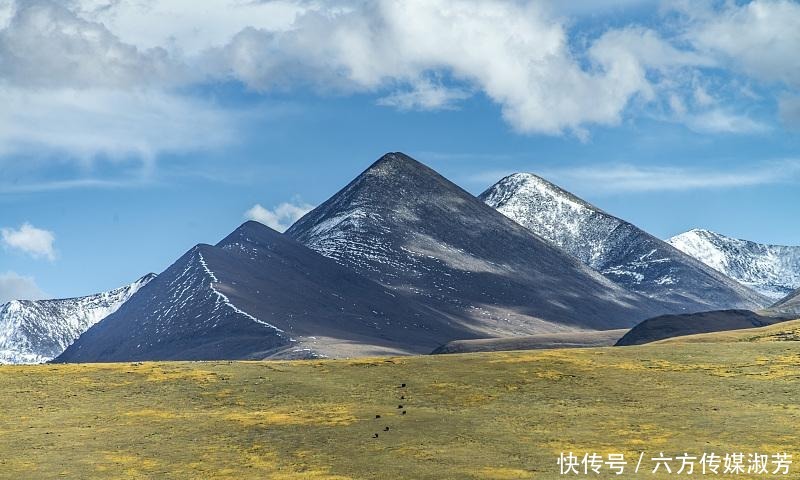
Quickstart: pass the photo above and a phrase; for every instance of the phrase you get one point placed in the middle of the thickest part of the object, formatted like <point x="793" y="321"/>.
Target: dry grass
<point x="478" y="416"/>
<point x="779" y="332"/>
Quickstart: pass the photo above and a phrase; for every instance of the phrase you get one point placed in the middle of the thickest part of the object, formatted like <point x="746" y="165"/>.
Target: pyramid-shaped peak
<point x="703" y="231"/>
<point x="252" y="226"/>
<point x="398" y="164"/>
<point x="528" y="188"/>
<point x="392" y="181"/>
<point x="522" y="180"/>
<point x="405" y="226"/>
<point x="710" y="236"/>
<point x="252" y="232"/>
<point x="396" y="159"/>
<point x="524" y="177"/>
<point x="146" y="278"/>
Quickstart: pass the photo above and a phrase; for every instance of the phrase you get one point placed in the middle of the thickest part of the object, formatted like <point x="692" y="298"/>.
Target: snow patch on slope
<point x="577" y="227"/>
<point x="617" y="249"/>
<point x="38" y="331"/>
<point x="555" y="214"/>
<point x="224" y="300"/>
<point x="772" y="270"/>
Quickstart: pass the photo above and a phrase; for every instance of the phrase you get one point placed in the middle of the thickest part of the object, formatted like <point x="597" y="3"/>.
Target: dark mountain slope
<point x="407" y="227"/>
<point x="668" y="326"/>
<point x="257" y="294"/>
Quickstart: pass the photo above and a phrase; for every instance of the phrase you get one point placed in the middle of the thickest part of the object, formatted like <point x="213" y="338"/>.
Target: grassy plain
<point x="475" y="416"/>
<point x="779" y="332"/>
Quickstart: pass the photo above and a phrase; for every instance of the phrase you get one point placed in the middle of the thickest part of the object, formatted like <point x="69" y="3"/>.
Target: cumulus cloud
<point x="180" y="25"/>
<point x="646" y="48"/>
<point x="17" y="287"/>
<point x="760" y="37"/>
<point x="520" y="56"/>
<point x="89" y="77"/>
<point x="513" y="52"/>
<point x="28" y="239"/>
<point x="70" y="86"/>
<point x="47" y="45"/>
<point x="281" y="217"/>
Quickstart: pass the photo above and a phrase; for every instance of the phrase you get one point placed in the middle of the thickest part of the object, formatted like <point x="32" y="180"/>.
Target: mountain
<point x="408" y="228"/>
<point x="772" y="270"/>
<point x="259" y="294"/>
<point x="668" y="326"/>
<point x="789" y="305"/>
<point x="619" y="250"/>
<point x="542" y="341"/>
<point x="35" y="331"/>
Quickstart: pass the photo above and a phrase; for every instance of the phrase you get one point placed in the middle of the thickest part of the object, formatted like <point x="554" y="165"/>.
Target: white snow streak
<point x="222" y="298"/>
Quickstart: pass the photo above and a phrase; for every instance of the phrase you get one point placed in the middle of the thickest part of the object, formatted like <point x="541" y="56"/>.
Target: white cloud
<point x="646" y="48"/>
<point x="425" y="96"/>
<point x="281" y="217"/>
<point x="48" y="45"/>
<point x="89" y="77"/>
<point x="7" y="9"/>
<point x="677" y="105"/>
<point x="36" y="242"/>
<point x="188" y="26"/>
<point x="108" y="121"/>
<point x="702" y="97"/>
<point x="720" y="121"/>
<point x="513" y="52"/>
<point x="789" y="110"/>
<point x="78" y="183"/>
<point x="70" y="86"/>
<point x="516" y="53"/>
<point x="760" y="38"/>
<point x="17" y="287"/>
<point x="623" y="178"/>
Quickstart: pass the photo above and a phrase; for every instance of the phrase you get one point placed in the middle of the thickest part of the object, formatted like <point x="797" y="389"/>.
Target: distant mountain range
<point x="405" y="226"/>
<point x="772" y="270"/>
<point x="402" y="261"/>
<point x="618" y="249"/>
<point x="35" y="331"/>
<point x="259" y="294"/>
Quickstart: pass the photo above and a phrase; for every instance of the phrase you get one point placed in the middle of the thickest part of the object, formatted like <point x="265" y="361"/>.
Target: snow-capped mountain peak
<point x="517" y="186"/>
<point x="553" y="213"/>
<point x="618" y="249"/>
<point x="772" y="270"/>
<point x="35" y="331"/>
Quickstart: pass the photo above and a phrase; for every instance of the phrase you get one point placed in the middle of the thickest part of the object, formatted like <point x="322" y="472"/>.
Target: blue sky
<point x="133" y="130"/>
